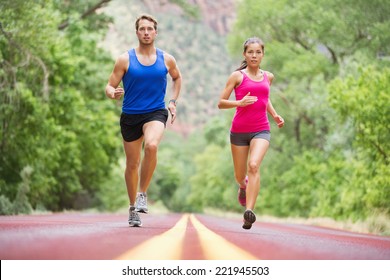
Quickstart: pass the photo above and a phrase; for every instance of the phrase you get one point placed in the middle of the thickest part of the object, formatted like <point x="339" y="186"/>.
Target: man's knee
<point x="151" y="148"/>
<point x="132" y="165"/>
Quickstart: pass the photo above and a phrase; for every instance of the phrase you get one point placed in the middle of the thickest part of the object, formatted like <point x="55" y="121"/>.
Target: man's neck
<point x="146" y="49"/>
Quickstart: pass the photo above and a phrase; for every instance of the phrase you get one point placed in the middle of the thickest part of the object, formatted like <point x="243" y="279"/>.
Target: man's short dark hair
<point x="147" y="17"/>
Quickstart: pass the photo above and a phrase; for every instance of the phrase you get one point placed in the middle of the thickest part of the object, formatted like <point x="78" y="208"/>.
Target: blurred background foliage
<point x="60" y="146"/>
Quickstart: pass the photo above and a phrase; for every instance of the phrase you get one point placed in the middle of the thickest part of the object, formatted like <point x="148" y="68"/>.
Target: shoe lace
<point x="142" y="200"/>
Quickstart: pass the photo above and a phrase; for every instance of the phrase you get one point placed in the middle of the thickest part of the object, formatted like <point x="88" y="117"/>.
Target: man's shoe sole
<point x="140" y="210"/>
<point x="135" y="224"/>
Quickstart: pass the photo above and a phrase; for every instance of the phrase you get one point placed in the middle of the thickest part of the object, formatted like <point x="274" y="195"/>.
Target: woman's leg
<point x="240" y="159"/>
<point x="257" y="150"/>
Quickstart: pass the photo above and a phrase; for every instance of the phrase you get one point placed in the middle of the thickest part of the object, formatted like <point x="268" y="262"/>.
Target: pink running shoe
<point x="242" y="193"/>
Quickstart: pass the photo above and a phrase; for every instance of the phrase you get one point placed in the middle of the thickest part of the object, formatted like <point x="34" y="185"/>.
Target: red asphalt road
<point x="107" y="236"/>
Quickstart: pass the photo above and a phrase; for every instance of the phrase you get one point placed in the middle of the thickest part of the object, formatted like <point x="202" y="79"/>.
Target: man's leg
<point x="153" y="133"/>
<point x="133" y="159"/>
<point x="133" y="156"/>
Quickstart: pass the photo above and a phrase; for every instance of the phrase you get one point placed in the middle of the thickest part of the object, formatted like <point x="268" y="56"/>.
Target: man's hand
<point x="172" y="110"/>
<point x="117" y="93"/>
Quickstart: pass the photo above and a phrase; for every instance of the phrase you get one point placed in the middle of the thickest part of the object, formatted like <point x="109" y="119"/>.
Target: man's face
<point x="146" y="32"/>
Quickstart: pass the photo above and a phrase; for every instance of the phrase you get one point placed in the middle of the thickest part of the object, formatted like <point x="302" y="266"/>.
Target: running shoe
<point x="141" y="203"/>
<point x="242" y="193"/>
<point x="249" y="219"/>
<point x="134" y="219"/>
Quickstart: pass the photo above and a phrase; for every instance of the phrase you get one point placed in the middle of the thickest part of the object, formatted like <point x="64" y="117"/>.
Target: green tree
<point x="364" y="101"/>
<point x="54" y="118"/>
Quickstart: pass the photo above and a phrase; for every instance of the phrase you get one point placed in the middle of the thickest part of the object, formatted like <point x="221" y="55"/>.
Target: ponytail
<point x="243" y="65"/>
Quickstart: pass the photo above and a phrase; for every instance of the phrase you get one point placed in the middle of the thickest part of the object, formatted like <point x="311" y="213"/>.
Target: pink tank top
<point x="252" y="118"/>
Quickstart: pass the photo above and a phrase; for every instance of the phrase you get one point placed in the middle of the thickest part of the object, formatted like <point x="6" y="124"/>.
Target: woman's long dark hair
<point x="249" y="41"/>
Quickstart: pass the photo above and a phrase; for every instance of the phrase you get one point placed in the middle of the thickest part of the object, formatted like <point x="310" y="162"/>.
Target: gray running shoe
<point x="141" y="203"/>
<point x="134" y="220"/>
<point x="249" y="219"/>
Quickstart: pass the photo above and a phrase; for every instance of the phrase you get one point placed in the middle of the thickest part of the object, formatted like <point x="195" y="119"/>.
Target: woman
<point x="250" y="129"/>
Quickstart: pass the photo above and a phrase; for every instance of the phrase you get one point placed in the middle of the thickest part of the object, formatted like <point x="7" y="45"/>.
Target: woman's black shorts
<point x="244" y="139"/>
<point x="132" y="125"/>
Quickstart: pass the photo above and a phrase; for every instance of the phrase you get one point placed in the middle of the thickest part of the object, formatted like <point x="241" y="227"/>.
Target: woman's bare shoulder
<point x="269" y="75"/>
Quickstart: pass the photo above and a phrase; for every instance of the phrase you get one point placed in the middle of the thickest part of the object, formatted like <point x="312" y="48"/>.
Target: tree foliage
<point x="364" y="100"/>
<point x="53" y="117"/>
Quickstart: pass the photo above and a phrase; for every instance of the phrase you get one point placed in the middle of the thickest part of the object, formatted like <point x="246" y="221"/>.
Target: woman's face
<point x="254" y="54"/>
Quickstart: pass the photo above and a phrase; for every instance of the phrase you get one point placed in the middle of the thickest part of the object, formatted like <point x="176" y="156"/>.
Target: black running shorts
<point x="244" y="139"/>
<point x="132" y="125"/>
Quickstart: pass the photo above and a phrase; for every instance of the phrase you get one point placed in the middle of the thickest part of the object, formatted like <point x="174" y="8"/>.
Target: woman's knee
<point x="253" y="166"/>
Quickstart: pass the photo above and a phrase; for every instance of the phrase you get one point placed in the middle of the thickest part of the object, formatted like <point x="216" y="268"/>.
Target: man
<point x="143" y="71"/>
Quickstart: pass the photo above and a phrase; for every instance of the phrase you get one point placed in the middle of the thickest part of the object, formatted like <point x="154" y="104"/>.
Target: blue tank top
<point x="144" y="86"/>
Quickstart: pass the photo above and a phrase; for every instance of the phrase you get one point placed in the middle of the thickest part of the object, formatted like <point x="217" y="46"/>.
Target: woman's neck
<point x="254" y="71"/>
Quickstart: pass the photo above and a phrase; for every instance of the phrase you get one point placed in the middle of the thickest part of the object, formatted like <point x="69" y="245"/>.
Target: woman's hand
<point x="279" y="121"/>
<point x="247" y="100"/>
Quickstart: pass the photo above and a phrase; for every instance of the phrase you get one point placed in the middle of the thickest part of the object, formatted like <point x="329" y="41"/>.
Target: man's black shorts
<point x="131" y="125"/>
